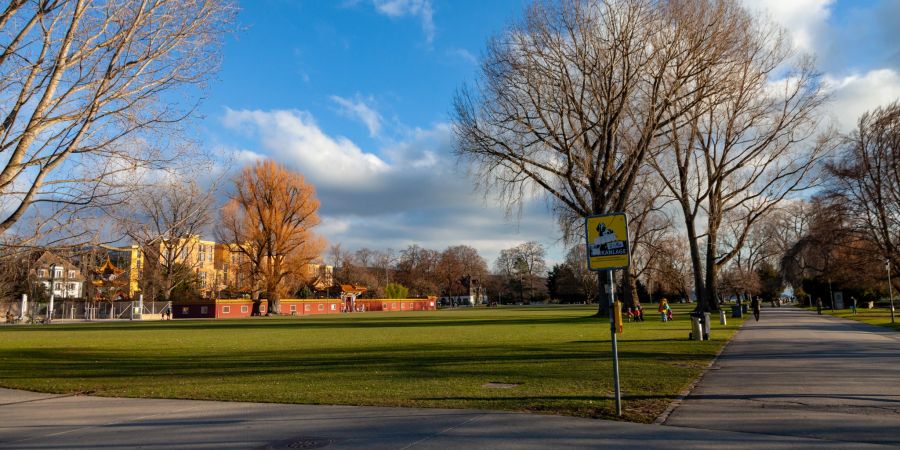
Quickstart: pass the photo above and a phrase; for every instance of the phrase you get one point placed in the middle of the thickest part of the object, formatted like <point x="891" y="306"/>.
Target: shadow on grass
<point x="342" y="322"/>
<point x="408" y="361"/>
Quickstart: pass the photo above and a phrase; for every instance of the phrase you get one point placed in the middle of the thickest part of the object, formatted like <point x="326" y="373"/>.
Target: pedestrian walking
<point x="819" y="305"/>
<point x="853" y="304"/>
<point x="754" y="305"/>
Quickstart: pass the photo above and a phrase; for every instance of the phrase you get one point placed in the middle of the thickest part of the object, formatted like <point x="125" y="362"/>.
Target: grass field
<point x="559" y="358"/>
<point x="879" y="316"/>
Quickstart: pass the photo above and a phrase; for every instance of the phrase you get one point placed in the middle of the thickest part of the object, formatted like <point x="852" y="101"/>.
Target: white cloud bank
<point x="409" y="193"/>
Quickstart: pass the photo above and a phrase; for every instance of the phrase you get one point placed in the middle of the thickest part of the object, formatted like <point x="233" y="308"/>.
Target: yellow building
<point x="232" y="268"/>
<point x="193" y="252"/>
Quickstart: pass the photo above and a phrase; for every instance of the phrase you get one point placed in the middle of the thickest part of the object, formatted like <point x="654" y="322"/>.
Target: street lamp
<point x="890" y="288"/>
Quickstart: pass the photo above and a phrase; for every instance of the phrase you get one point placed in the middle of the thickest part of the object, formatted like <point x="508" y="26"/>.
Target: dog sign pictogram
<point x="607" y="241"/>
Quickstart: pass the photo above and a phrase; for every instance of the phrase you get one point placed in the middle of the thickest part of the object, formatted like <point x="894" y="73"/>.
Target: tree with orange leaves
<point x="268" y="220"/>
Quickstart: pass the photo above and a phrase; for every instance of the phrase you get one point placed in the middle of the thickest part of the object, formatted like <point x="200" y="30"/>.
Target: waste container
<point x="697" y="331"/>
<point x="744" y="308"/>
<point x="722" y="320"/>
<point x="736" y="311"/>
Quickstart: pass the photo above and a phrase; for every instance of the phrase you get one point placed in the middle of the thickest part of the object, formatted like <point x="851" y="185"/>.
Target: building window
<point x="71" y="274"/>
<point x="42" y="273"/>
<point x="73" y="287"/>
<point x="57" y="286"/>
<point x="394" y="306"/>
<point x="293" y="308"/>
<point x="333" y="307"/>
<point x="244" y="308"/>
<point x="321" y="307"/>
<point x="57" y="272"/>
<point x="203" y="278"/>
<point x="306" y="307"/>
<point x="226" y="309"/>
<point x="204" y="309"/>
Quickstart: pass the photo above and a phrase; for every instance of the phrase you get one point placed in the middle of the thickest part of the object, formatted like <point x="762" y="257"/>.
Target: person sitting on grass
<point x="664" y="309"/>
<point x="630" y="314"/>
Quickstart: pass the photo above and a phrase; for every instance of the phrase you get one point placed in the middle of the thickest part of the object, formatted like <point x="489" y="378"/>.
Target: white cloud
<point x="359" y="110"/>
<point x="805" y="20"/>
<point x="415" y="8"/>
<point x="856" y="94"/>
<point x="294" y="138"/>
<point x="410" y="194"/>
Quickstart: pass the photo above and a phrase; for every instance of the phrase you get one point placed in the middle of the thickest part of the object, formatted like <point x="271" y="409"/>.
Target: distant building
<point x="59" y="277"/>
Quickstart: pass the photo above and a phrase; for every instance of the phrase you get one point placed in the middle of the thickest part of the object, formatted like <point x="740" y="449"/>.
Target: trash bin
<point x="722" y="320"/>
<point x="697" y="331"/>
<point x="736" y="311"/>
<point x="744" y="308"/>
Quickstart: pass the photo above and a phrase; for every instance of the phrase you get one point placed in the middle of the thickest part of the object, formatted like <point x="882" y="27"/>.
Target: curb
<point x="661" y="419"/>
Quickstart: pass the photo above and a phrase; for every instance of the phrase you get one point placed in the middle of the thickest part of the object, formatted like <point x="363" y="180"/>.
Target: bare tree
<point x="867" y="178"/>
<point x="88" y="94"/>
<point x="166" y="223"/>
<point x="571" y="100"/>
<point x="577" y="260"/>
<point x="416" y="269"/>
<point x="747" y="147"/>
<point x="648" y="225"/>
<point x="458" y="265"/>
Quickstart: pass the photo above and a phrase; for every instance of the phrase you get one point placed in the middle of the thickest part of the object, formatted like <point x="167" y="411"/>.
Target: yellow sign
<point x="607" y="242"/>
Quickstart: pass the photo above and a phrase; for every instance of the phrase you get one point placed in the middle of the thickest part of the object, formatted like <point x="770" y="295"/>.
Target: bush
<point x="394" y="290"/>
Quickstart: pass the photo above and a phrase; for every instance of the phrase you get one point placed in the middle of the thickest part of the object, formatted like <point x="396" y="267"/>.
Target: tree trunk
<point x="707" y="302"/>
<point x="631" y="293"/>
<point x="255" y="311"/>
<point x="274" y="304"/>
<point x="603" y="296"/>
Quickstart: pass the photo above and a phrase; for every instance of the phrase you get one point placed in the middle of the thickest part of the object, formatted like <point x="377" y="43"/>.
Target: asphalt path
<point x="796" y="373"/>
<point x="793" y="380"/>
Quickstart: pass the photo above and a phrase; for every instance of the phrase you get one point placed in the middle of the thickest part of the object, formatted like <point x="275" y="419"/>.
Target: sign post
<point x="608" y="250"/>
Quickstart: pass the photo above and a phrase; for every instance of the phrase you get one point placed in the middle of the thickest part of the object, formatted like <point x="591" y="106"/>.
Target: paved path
<point x="800" y="374"/>
<point x="841" y="393"/>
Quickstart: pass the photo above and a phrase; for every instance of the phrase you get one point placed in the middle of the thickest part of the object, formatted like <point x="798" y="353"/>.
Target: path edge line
<point x="662" y="417"/>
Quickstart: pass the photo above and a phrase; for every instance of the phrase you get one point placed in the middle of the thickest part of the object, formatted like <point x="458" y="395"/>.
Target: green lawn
<point x="877" y="316"/>
<point x="558" y="356"/>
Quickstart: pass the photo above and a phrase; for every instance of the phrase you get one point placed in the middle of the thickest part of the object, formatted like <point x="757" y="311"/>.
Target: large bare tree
<point x="572" y="99"/>
<point x="166" y="222"/>
<point x="867" y="178"/>
<point x="747" y="147"/>
<point x="89" y="92"/>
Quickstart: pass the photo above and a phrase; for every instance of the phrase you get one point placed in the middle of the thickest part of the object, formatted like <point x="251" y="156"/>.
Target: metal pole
<point x="141" y="305"/>
<point x="615" y="342"/>
<point x="830" y="293"/>
<point x="890" y="289"/>
<point x="23" y="308"/>
<point x="50" y="310"/>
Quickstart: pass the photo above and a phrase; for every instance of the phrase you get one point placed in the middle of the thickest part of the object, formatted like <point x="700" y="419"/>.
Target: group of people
<point x="636" y="313"/>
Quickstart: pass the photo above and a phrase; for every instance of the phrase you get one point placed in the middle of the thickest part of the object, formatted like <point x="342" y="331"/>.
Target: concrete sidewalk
<point x="796" y="373"/>
<point x="40" y="421"/>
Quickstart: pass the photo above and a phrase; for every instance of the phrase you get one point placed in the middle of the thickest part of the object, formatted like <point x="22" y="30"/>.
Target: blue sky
<point x="356" y="96"/>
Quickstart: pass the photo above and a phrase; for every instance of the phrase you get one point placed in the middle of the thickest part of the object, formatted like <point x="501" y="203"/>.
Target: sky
<point x="356" y="95"/>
